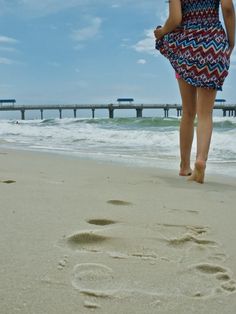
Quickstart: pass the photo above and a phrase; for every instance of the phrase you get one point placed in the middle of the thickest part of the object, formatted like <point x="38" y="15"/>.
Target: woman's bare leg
<point x="188" y="95"/>
<point x="205" y="104"/>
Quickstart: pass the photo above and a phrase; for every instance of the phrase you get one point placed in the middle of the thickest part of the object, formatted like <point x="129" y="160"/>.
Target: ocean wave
<point x="135" y="123"/>
<point x="137" y="139"/>
<point x="225" y="124"/>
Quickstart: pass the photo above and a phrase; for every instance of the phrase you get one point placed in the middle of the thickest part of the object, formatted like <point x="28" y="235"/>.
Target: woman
<point x="199" y="50"/>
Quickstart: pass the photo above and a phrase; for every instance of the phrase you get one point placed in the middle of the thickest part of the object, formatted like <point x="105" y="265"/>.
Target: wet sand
<point x="81" y="236"/>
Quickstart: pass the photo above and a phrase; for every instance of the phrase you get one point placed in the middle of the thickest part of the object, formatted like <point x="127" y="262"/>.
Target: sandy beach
<point x="82" y="236"/>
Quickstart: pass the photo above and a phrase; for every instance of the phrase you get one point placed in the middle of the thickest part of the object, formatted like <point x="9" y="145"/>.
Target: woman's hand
<point x="159" y="33"/>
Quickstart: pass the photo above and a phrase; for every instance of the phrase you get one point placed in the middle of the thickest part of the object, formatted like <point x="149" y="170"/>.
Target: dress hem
<point x="191" y="82"/>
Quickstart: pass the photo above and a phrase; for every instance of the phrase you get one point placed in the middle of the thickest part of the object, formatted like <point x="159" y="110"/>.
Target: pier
<point x="227" y="109"/>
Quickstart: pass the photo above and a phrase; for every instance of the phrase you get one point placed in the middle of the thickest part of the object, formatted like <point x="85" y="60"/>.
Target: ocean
<point x="145" y="142"/>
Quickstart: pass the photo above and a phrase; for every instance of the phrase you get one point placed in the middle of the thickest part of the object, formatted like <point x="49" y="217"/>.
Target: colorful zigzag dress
<point x="198" y="49"/>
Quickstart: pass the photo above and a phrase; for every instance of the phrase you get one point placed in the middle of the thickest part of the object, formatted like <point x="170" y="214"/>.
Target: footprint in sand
<point x="187" y="235"/>
<point x="119" y="203"/>
<point x="200" y="280"/>
<point x="220" y="273"/>
<point x="229" y="286"/>
<point x="101" y="222"/>
<point x="210" y="268"/>
<point x="105" y="240"/>
<point x="8" y="181"/>
<point x="194" y="230"/>
<point x="188" y="238"/>
<point x="91" y="305"/>
<point x="223" y="277"/>
<point x="97" y="281"/>
<point x="210" y="278"/>
<point x="90" y="238"/>
<point x="94" y="280"/>
<point x="85" y="238"/>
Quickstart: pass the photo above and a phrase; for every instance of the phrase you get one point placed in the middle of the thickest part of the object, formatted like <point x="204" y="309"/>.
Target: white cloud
<point x="115" y="6"/>
<point x="89" y="31"/>
<point x="146" y="45"/>
<point x="7" y="40"/>
<point x="6" y="61"/>
<point x="141" y="61"/>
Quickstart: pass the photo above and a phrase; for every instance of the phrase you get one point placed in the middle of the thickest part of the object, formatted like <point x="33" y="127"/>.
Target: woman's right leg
<point x="189" y="98"/>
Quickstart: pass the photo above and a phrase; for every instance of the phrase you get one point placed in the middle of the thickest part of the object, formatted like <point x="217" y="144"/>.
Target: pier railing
<point x="227" y="109"/>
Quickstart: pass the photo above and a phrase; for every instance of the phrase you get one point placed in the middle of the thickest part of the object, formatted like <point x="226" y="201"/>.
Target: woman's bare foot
<point x="185" y="171"/>
<point x="198" y="172"/>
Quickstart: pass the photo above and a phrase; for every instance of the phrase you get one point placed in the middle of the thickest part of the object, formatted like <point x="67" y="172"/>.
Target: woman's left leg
<point x="189" y="99"/>
<point x="205" y="104"/>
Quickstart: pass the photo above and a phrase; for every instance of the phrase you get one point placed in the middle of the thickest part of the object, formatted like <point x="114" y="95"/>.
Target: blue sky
<point x="86" y="51"/>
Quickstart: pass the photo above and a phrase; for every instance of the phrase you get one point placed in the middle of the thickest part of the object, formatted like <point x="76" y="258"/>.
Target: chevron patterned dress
<point x="198" y="49"/>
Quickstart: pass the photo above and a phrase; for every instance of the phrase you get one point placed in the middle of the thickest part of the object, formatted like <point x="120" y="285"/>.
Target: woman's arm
<point x="229" y="19"/>
<point x="174" y="19"/>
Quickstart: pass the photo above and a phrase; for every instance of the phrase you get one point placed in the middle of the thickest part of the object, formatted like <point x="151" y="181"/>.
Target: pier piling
<point x="139" y="112"/>
<point x="93" y="113"/>
<point x="111" y="112"/>
<point x="166" y="112"/>
<point x="179" y="112"/>
<point x="22" y="114"/>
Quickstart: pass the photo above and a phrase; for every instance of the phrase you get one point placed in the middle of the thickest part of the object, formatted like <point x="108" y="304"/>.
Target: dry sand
<point x="81" y="236"/>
